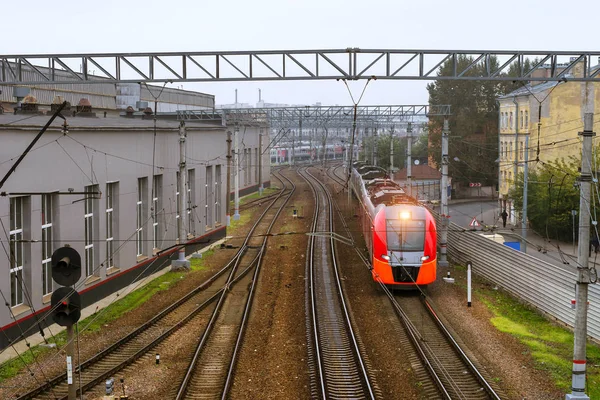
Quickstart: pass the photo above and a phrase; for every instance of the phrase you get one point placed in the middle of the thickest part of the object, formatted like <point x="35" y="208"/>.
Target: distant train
<point x="400" y="233"/>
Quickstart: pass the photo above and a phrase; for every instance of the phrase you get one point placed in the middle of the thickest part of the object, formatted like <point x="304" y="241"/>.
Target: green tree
<point x="552" y="193"/>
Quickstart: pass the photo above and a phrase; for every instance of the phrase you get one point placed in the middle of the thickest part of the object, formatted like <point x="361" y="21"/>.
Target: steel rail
<point x="338" y="282"/>
<point x="183" y="387"/>
<point x="414" y="334"/>
<point x="346" y="316"/>
<point x="238" y="343"/>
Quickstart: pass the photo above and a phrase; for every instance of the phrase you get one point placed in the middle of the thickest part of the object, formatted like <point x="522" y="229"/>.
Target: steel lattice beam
<point x="350" y="63"/>
<point x="318" y="116"/>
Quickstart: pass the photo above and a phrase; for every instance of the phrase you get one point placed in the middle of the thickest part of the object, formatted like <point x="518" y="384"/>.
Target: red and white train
<point x="400" y="233"/>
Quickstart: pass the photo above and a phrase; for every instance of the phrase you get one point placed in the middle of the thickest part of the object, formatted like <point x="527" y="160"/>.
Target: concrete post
<point x="351" y="154"/>
<point x="260" y="156"/>
<point x="469" y="284"/>
<point x="228" y="201"/>
<point x="583" y="278"/>
<point x="72" y="393"/>
<point x="236" y="172"/>
<point x="181" y="262"/>
<point x="409" y="158"/>
<point x="443" y="261"/>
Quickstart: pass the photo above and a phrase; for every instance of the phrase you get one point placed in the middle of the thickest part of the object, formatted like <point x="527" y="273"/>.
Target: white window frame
<point x="155" y="206"/>
<point x="89" y="231"/>
<point x="110" y="224"/>
<point x="47" y="217"/>
<point x="16" y="248"/>
<point x="139" y="240"/>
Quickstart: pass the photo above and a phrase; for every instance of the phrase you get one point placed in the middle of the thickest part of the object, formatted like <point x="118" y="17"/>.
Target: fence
<point x="545" y="286"/>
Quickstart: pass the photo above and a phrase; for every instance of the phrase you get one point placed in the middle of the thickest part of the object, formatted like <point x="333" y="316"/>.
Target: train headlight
<point x="404" y="214"/>
<point x="424" y="258"/>
<point x="385" y="257"/>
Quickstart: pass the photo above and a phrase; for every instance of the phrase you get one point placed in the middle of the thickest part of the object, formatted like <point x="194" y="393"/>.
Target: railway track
<point x="339" y="370"/>
<point x="450" y="372"/>
<point x="210" y="370"/>
<point x="194" y="306"/>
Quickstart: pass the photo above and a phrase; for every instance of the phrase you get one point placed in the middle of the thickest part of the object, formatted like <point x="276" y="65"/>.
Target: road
<point x="486" y="212"/>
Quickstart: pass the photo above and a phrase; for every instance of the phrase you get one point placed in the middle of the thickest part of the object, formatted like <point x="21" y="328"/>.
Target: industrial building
<point x="106" y="185"/>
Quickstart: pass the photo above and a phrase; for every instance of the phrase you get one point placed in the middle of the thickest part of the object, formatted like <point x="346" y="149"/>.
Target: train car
<point x="400" y="233"/>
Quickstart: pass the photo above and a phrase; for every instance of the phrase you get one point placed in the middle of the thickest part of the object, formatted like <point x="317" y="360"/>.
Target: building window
<point x="218" y="194"/>
<point x="510" y="121"/>
<point x="257" y="163"/>
<point x="208" y="200"/>
<point x="522" y="119"/>
<point x="47" y="242"/>
<point x="502" y="120"/>
<point x="156" y="210"/>
<point x="526" y="119"/>
<point x="89" y="215"/>
<point x="16" y="251"/>
<point x="501" y="150"/>
<point x="141" y="197"/>
<point x="111" y="202"/>
<point x="521" y="150"/>
<point x="191" y="200"/>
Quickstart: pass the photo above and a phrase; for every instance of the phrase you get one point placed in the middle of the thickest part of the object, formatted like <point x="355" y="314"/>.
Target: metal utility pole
<point x="228" y="197"/>
<point x="525" y="185"/>
<point x="409" y="158"/>
<point x="351" y="153"/>
<point x="443" y="261"/>
<point x="236" y="171"/>
<point x="583" y="271"/>
<point x="375" y="146"/>
<point x="391" y="152"/>
<point x="181" y="261"/>
<point x="260" y="156"/>
<point x="516" y="162"/>
<point x="300" y="132"/>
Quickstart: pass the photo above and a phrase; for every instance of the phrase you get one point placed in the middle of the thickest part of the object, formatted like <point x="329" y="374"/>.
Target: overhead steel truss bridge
<point x="271" y="65"/>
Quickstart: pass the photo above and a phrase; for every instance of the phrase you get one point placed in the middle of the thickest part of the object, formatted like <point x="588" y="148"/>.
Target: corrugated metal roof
<point x="528" y="89"/>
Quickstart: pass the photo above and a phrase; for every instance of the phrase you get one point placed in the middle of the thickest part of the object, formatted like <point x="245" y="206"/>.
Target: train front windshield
<point x="405" y="235"/>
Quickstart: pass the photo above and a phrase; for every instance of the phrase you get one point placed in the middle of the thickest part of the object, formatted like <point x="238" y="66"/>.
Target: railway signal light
<point x="66" y="304"/>
<point x="66" y="266"/>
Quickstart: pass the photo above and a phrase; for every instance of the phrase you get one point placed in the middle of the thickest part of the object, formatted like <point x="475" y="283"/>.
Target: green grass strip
<point x="550" y="345"/>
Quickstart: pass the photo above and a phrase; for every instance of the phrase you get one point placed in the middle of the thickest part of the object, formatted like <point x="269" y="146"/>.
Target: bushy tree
<point x="552" y="193"/>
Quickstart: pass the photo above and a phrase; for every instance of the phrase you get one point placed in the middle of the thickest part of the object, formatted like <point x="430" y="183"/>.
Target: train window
<point x="403" y="235"/>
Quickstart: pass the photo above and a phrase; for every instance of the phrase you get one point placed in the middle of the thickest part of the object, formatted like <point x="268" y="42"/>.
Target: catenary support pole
<point x="351" y="154"/>
<point x="70" y="352"/>
<point x="236" y="173"/>
<point x="181" y="262"/>
<point x="443" y="261"/>
<point x="409" y="158"/>
<point x="375" y="160"/>
<point x="260" y="156"/>
<point x="583" y="272"/>
<point x="228" y="196"/>
<point x="525" y="188"/>
<point x="391" y="173"/>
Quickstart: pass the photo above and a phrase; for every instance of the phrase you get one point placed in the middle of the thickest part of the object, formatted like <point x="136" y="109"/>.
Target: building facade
<point x="539" y="123"/>
<point x="125" y="219"/>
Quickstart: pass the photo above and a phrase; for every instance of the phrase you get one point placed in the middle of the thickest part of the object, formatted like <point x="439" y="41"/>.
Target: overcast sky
<point x="152" y="25"/>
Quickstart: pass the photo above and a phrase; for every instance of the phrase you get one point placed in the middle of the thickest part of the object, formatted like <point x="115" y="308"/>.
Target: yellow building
<point x="558" y="107"/>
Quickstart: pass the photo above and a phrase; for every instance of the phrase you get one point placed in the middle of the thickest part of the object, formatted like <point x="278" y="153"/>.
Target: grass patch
<point x="550" y="345"/>
<point x="198" y="264"/>
<point x="128" y="303"/>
